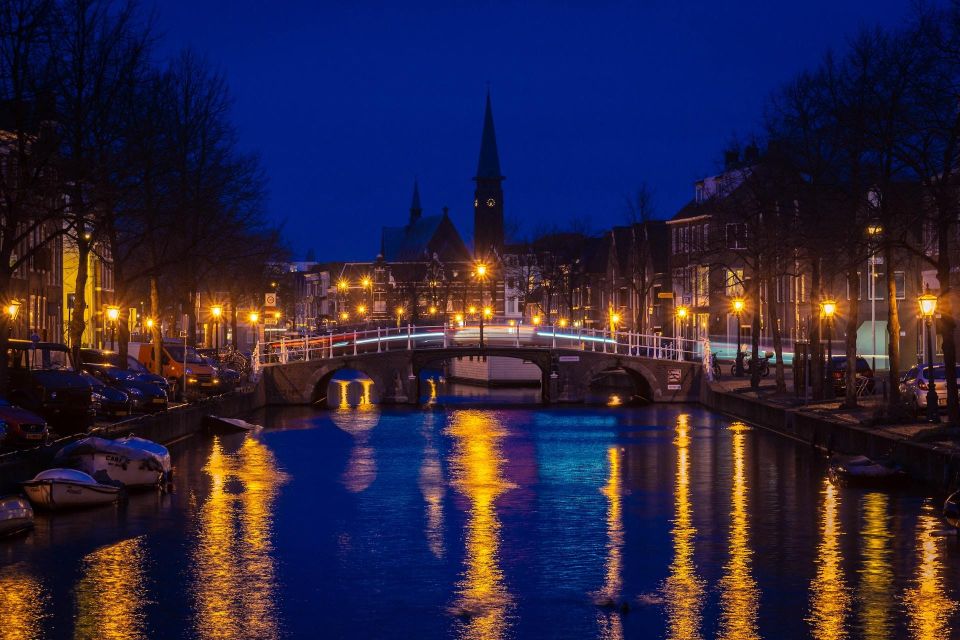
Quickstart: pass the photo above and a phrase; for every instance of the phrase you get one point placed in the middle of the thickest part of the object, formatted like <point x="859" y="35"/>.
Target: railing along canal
<point x="498" y="334"/>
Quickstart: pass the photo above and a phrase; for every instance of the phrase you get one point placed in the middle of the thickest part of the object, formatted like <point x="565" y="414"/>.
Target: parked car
<point x="914" y="387"/>
<point x="224" y="379"/>
<point x="107" y="401"/>
<point x="144" y="396"/>
<point x="22" y="427"/>
<point x="43" y="380"/>
<point x="103" y="356"/>
<point x="839" y="372"/>
<point x="177" y="362"/>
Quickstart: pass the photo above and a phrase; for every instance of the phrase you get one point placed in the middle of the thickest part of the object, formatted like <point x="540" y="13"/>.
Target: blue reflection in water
<point x="662" y="522"/>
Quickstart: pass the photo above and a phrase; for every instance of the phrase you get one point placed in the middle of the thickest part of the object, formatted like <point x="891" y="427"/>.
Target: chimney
<point x="751" y="153"/>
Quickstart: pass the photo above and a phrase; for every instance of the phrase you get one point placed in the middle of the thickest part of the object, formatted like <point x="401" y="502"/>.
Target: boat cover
<point x="162" y="453"/>
<point x="102" y="445"/>
<point x="70" y="475"/>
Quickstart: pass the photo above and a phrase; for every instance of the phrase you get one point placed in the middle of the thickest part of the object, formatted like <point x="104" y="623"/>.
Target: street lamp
<point x="216" y="311"/>
<point x="481" y="276"/>
<point x="828" y="308"/>
<point x="928" y="306"/>
<point x="738" y="306"/>
<point x="254" y="318"/>
<point x="459" y="319"/>
<point x="12" y="309"/>
<point x="874" y="230"/>
<point x="537" y="320"/>
<point x="113" y="314"/>
<point x="563" y="322"/>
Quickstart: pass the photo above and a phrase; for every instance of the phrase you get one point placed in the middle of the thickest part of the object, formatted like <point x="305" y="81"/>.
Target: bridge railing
<point x="419" y="337"/>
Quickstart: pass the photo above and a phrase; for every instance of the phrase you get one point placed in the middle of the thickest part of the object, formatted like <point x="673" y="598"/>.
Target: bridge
<point x="299" y="371"/>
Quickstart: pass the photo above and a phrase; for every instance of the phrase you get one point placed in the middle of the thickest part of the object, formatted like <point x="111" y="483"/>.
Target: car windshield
<point x="135" y="365"/>
<point x="92" y="381"/>
<point x="120" y="374"/>
<point x="176" y="352"/>
<point x="42" y="358"/>
<point x="939" y="373"/>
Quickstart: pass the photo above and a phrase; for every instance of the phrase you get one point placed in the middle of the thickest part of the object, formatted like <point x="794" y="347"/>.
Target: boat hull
<point x="130" y="472"/>
<point x="16" y="516"/>
<point x="951" y="510"/>
<point x="64" y="494"/>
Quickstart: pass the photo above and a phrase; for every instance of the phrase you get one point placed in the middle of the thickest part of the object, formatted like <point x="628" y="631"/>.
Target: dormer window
<point x="700" y="193"/>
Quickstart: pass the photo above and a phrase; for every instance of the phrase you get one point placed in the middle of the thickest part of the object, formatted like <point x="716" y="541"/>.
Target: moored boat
<point x="864" y="471"/>
<point x="67" y="488"/>
<point x="16" y="516"/>
<point x="217" y="424"/>
<point x="161" y="453"/>
<point x="951" y="510"/>
<point x="111" y="461"/>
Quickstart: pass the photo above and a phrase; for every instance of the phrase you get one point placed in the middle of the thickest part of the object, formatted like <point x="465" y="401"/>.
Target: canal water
<point x="459" y="522"/>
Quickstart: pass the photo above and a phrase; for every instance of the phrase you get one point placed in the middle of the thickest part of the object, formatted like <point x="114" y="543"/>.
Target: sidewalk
<point x="861" y="416"/>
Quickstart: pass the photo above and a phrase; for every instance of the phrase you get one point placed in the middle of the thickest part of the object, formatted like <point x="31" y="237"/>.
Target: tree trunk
<point x="775" y="330"/>
<point x="77" y="322"/>
<point x="191" y="312"/>
<point x="853" y="321"/>
<point x="123" y="335"/>
<point x="947" y="324"/>
<point x="755" y="335"/>
<point x="157" y="330"/>
<point x="816" y="349"/>
<point x="234" y="323"/>
<point x="893" y="329"/>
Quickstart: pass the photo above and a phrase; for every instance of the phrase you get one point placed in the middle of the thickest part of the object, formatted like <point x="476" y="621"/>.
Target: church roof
<point x="489" y="164"/>
<point x="415" y="204"/>
<point x="422" y="238"/>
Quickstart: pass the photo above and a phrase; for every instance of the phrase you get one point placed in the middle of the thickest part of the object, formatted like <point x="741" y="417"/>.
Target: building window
<point x="858" y="287"/>
<point x="877" y="286"/>
<point x="734" y="283"/>
<point x="703" y="286"/>
<point x="899" y="279"/>
<point x="736" y="235"/>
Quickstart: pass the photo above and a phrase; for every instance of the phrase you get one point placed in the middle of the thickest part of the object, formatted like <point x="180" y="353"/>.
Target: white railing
<point x="418" y="337"/>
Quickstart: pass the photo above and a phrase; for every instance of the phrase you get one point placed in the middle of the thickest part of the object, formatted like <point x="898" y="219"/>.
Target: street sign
<point x="665" y="294"/>
<point x="569" y="358"/>
<point x="674" y="377"/>
<point x="270" y="300"/>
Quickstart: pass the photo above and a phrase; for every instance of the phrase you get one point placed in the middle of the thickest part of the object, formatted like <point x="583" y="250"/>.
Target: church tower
<point x="488" y="197"/>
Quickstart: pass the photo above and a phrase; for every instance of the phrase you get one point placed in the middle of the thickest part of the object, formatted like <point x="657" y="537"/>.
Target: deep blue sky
<point x="347" y="102"/>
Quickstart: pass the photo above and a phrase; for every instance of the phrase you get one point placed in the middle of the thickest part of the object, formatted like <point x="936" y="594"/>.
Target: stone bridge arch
<point x="318" y="384"/>
<point x="645" y="381"/>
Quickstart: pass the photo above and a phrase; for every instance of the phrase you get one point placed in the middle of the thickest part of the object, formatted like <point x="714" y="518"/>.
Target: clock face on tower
<point x="491" y="202"/>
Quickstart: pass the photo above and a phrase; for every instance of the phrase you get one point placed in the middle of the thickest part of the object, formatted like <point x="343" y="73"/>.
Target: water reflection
<point x="739" y="597"/>
<point x="432" y="489"/>
<point x="359" y="422"/>
<point x="683" y="589"/>
<point x="829" y="596"/>
<point x="476" y="465"/>
<point x="875" y="590"/>
<point x="929" y="608"/>
<point x="234" y="572"/>
<point x="111" y="594"/>
<point x="611" y="624"/>
<point x="22" y="603"/>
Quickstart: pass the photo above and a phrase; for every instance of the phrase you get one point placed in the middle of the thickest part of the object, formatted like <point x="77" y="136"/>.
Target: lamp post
<point x="738" y="306"/>
<point x="254" y="318"/>
<point x="873" y="230"/>
<point x="928" y="306"/>
<point x="343" y="285"/>
<point x="113" y="314"/>
<point x="367" y="284"/>
<point x="481" y="275"/>
<point x="828" y="308"/>
<point x="12" y="309"/>
<point x="216" y="311"/>
<point x="399" y="316"/>
<point x="682" y="313"/>
<point x="614" y="321"/>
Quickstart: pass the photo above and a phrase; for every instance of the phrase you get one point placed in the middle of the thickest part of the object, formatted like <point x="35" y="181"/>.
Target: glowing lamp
<point x="487" y="312"/>
<point x="481" y="270"/>
<point x="928" y="304"/>
<point x="537" y="320"/>
<point x="216" y="311"/>
<point x="738" y="305"/>
<point x="13" y="309"/>
<point x="113" y="313"/>
<point x="254" y="317"/>
<point x="828" y="307"/>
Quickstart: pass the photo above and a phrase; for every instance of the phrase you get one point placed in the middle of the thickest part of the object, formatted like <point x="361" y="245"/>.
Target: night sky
<point x="348" y="102"/>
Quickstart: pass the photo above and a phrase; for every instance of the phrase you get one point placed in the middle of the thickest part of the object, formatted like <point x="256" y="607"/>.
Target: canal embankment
<point x="827" y="428"/>
<point x="177" y="422"/>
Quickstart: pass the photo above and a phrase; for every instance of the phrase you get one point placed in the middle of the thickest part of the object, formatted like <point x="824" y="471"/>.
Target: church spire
<point x="415" y="209"/>
<point x="489" y="164"/>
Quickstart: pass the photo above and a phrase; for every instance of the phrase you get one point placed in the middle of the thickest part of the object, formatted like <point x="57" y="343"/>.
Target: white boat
<point x="110" y="461"/>
<point x="161" y="452"/>
<point x="216" y="424"/>
<point x="16" y="516"/>
<point x="66" y="488"/>
<point x="951" y="510"/>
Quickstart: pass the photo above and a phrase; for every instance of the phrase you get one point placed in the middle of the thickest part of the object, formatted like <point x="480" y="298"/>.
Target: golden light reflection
<point x="235" y="576"/>
<point x="929" y="608"/>
<point x="432" y="489"/>
<point x="476" y="467"/>
<point x="111" y="595"/>
<point x="683" y="589"/>
<point x="829" y="595"/>
<point x="359" y="422"/>
<point x="22" y="603"/>
<point x="614" y="401"/>
<point x="433" y="391"/>
<point x="610" y="621"/>
<point x="875" y="590"/>
<point x="739" y="597"/>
